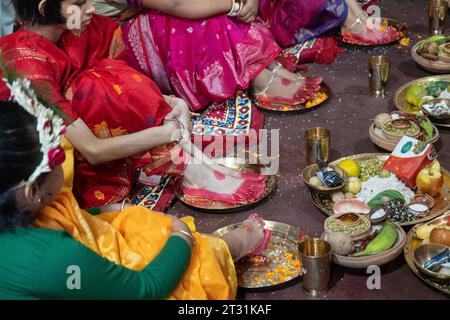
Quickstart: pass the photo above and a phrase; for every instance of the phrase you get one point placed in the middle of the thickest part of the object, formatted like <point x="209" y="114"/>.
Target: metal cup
<point x="315" y="258"/>
<point x="437" y="10"/>
<point x="317" y="144"/>
<point x="379" y="68"/>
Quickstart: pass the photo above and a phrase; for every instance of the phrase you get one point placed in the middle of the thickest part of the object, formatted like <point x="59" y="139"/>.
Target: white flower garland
<point x="50" y="126"/>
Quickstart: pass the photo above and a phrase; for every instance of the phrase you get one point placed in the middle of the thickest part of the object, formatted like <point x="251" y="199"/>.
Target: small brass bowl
<point x="311" y="170"/>
<point x="442" y="116"/>
<point x="425" y="252"/>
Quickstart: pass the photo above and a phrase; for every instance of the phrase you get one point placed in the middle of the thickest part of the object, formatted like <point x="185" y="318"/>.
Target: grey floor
<point x="348" y="115"/>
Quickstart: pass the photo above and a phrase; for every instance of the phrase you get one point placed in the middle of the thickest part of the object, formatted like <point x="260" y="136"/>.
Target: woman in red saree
<point x="119" y="120"/>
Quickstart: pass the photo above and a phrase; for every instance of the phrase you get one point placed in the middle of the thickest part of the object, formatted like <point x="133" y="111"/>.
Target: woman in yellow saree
<point x="135" y="236"/>
<point x="131" y="254"/>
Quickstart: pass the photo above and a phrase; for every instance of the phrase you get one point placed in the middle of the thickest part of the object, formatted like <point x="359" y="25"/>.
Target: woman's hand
<point x="180" y="111"/>
<point x="172" y="129"/>
<point x="249" y="11"/>
<point x="182" y="230"/>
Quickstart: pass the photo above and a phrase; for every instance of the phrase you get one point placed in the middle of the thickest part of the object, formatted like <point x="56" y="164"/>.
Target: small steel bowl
<point x="310" y="171"/>
<point x="425" y="252"/>
<point x="443" y="116"/>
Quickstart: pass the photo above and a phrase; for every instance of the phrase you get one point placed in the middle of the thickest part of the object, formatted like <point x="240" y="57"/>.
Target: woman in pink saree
<point x="204" y="56"/>
<point x="204" y="52"/>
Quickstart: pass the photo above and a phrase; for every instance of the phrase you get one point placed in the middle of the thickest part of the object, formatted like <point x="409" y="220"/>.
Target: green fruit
<point x="415" y="93"/>
<point x="375" y="203"/>
<point x="353" y="185"/>
<point x="382" y="242"/>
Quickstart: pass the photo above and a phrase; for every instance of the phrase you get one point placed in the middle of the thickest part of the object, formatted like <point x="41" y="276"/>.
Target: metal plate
<point x="432" y="66"/>
<point x="323" y="202"/>
<point x="397" y="24"/>
<point x="214" y="206"/>
<point x="282" y="108"/>
<point x="411" y="244"/>
<point x="403" y="105"/>
<point x="282" y="253"/>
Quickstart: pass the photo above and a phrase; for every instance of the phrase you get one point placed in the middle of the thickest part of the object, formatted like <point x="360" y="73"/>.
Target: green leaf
<point x="375" y="203"/>
<point x="427" y="125"/>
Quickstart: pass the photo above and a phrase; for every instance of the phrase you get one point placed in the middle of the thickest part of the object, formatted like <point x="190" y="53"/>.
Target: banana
<point x="382" y="242"/>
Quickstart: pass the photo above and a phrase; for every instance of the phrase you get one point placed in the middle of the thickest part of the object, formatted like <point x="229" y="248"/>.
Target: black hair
<point x="28" y="11"/>
<point x="20" y="154"/>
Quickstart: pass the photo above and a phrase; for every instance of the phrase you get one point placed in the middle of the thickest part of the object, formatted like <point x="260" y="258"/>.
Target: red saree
<point x="111" y="98"/>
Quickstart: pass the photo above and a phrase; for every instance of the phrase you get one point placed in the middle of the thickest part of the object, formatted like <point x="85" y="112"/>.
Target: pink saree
<point x="202" y="61"/>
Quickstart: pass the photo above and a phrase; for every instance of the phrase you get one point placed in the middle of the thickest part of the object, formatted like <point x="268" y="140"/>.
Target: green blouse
<point x="49" y="264"/>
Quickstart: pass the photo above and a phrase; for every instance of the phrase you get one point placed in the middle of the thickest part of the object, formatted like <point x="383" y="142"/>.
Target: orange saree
<point x="134" y="238"/>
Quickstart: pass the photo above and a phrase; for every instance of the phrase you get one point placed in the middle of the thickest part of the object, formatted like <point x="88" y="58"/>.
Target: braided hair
<point x="19" y="155"/>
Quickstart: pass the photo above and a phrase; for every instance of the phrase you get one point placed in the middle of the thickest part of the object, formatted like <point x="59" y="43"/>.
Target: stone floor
<point x="348" y="115"/>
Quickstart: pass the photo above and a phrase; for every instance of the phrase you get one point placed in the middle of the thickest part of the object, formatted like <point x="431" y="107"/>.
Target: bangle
<point x="187" y="234"/>
<point x="236" y="7"/>
<point x="180" y="127"/>
<point x="122" y="206"/>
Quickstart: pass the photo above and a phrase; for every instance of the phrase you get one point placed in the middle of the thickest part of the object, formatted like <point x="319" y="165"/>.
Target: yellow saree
<point x="134" y="238"/>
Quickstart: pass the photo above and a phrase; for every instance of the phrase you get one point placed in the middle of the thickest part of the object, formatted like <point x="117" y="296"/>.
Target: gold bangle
<point x="187" y="234"/>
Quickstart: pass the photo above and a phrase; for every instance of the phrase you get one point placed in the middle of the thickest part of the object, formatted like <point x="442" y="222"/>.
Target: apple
<point x="435" y="165"/>
<point x="430" y="181"/>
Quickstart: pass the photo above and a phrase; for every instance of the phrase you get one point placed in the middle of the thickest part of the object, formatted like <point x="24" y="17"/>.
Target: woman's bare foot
<point x="277" y="87"/>
<point x="358" y="27"/>
<point x="283" y="72"/>
<point x="201" y="181"/>
<point x="245" y="238"/>
<point x="382" y="35"/>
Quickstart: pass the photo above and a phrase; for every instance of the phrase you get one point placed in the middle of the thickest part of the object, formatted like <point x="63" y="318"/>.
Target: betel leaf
<point x="435" y="88"/>
<point x="427" y="125"/>
<point x="375" y="203"/>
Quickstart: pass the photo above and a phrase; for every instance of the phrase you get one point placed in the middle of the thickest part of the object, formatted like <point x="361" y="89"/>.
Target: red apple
<point x="430" y="181"/>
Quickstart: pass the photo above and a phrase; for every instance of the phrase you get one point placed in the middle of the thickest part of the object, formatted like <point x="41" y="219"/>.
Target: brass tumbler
<point x="379" y="68"/>
<point x="437" y="10"/>
<point x="317" y="144"/>
<point x="315" y="258"/>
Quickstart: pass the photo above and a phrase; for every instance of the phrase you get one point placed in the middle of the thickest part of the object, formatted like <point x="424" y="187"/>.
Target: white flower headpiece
<point x="50" y="125"/>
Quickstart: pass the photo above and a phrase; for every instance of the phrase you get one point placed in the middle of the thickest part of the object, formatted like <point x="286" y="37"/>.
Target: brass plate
<point x="324" y="89"/>
<point x="323" y="201"/>
<point x="214" y="206"/>
<point x="282" y="253"/>
<point x="411" y="244"/>
<point x="403" y="105"/>
<point x="397" y="24"/>
<point x="432" y="66"/>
